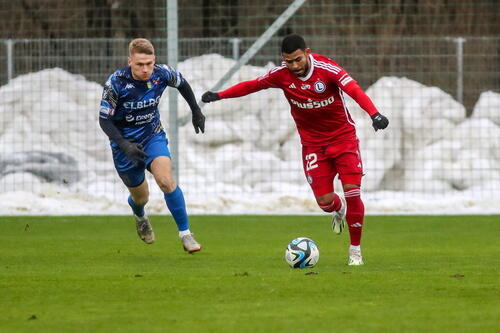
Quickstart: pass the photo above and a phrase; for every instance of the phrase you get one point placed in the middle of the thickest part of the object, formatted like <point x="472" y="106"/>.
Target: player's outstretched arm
<point x="379" y="121"/>
<point x="240" y="89"/>
<point x="198" y="118"/>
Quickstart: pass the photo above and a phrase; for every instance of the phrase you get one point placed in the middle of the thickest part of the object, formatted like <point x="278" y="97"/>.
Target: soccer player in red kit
<point x="314" y="84"/>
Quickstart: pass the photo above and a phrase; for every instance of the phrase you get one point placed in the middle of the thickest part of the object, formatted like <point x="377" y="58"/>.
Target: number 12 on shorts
<point x="311" y="160"/>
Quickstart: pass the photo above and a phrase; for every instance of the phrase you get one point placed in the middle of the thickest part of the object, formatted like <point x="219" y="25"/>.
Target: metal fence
<point x="461" y="67"/>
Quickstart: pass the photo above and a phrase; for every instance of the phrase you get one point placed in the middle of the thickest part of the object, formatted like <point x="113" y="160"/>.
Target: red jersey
<point x="316" y="100"/>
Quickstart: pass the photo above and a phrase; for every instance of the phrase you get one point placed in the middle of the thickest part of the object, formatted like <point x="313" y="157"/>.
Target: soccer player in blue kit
<point x="130" y="117"/>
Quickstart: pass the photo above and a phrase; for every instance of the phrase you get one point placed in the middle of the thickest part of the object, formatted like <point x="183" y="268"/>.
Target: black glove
<point x="209" y="96"/>
<point x="198" y="121"/>
<point x="133" y="151"/>
<point x="379" y="121"/>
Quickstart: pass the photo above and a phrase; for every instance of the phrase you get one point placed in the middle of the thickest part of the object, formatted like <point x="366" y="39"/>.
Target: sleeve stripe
<point x="327" y="68"/>
<point x="346" y="80"/>
<point x="275" y="69"/>
<point x="326" y="65"/>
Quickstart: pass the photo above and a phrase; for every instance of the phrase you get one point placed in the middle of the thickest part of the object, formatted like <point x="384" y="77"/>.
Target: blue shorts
<point x="133" y="175"/>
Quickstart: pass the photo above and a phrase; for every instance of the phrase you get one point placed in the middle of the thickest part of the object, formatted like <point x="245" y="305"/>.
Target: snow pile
<point x="431" y="146"/>
<point x="488" y="107"/>
<point x="432" y="158"/>
<point x="419" y="117"/>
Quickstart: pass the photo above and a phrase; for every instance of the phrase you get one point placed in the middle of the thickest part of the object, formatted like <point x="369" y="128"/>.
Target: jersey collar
<point x="311" y="69"/>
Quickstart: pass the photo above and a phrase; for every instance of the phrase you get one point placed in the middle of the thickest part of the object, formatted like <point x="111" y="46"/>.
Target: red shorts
<point x="322" y="164"/>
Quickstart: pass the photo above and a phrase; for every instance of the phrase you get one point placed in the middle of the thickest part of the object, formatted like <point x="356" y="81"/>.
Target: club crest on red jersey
<point x="319" y="86"/>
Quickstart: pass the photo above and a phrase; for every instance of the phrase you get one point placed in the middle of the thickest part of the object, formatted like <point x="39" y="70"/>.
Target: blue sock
<point x="138" y="210"/>
<point x="177" y="206"/>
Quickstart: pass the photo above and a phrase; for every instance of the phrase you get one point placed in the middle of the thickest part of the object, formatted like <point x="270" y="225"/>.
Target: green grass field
<point x="93" y="274"/>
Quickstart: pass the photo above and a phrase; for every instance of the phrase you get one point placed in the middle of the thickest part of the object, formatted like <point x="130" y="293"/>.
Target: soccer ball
<point x="302" y="253"/>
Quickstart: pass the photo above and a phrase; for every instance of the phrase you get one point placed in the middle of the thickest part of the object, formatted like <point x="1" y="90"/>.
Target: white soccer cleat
<point x="338" y="218"/>
<point x="190" y="244"/>
<point x="355" y="258"/>
<point x="144" y="229"/>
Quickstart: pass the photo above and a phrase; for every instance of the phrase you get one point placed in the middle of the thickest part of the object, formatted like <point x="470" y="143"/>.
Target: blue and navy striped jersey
<point x="132" y="105"/>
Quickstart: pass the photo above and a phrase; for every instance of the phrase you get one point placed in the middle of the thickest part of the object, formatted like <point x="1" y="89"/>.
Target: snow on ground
<point x="54" y="159"/>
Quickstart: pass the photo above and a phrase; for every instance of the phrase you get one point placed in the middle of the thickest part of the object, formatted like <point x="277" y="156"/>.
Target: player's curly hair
<point x="141" y="45"/>
<point x="292" y="43"/>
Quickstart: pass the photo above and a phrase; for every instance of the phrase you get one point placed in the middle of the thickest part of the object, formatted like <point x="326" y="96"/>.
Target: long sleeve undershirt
<point x="113" y="132"/>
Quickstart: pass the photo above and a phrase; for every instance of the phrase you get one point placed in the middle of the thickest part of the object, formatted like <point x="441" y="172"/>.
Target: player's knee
<point x="325" y="202"/>
<point x="324" y="199"/>
<point x="348" y="187"/>
<point x="167" y="185"/>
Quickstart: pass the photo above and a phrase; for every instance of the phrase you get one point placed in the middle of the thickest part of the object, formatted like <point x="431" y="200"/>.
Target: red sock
<point x="332" y="206"/>
<point x="355" y="214"/>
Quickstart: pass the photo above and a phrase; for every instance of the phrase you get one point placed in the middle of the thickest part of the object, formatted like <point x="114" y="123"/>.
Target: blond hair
<point x="140" y="45"/>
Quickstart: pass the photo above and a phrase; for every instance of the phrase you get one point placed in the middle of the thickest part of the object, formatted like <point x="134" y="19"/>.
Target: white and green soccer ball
<point x="302" y="252"/>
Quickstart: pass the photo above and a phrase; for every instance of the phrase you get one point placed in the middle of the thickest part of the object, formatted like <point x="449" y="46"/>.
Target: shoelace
<point x="189" y="239"/>
<point x="355" y="254"/>
<point x="144" y="226"/>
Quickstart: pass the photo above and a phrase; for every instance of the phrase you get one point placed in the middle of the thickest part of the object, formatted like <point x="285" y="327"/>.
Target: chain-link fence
<point x="463" y="67"/>
<point x="441" y="93"/>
